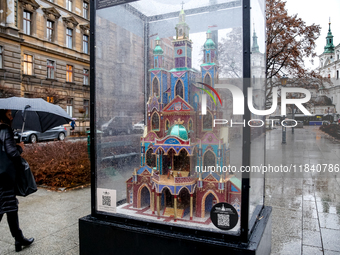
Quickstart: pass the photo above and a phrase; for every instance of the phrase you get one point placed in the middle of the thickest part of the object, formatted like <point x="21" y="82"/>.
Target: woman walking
<point x="8" y="201"/>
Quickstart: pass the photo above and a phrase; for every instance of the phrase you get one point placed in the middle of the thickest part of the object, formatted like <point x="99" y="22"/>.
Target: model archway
<point x="143" y="197"/>
<point x="208" y="201"/>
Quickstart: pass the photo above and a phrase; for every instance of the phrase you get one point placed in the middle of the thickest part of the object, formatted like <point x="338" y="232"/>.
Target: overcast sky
<point x="318" y="12"/>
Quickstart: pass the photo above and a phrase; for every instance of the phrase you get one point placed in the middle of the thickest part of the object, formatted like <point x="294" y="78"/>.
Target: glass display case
<point x="175" y="151"/>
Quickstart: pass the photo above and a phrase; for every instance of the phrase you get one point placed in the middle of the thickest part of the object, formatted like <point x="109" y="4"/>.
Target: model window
<point x="155" y="87"/>
<point x="50" y="69"/>
<point x="207" y="79"/>
<point x="85" y="44"/>
<point x="207" y="121"/>
<point x="69" y="35"/>
<point x="150" y="158"/>
<point x="1" y="49"/>
<point x="28" y="64"/>
<point x="86" y="76"/>
<point x="155" y="121"/>
<point x="167" y="125"/>
<point x="190" y="125"/>
<point x="49" y="30"/>
<point x="69" y="73"/>
<point x="85" y="10"/>
<point x="69" y="107"/>
<point x="179" y="89"/>
<point x="27" y="22"/>
<point x="69" y="5"/>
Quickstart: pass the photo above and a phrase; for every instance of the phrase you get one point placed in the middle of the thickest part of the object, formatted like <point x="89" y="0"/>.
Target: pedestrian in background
<point x="8" y="200"/>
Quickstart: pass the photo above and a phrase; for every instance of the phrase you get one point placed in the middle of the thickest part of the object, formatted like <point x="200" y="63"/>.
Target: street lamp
<point x="283" y="83"/>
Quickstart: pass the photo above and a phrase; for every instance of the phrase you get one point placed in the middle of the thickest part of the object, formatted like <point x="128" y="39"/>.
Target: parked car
<point x="58" y="132"/>
<point x="139" y="127"/>
<point x="118" y="125"/>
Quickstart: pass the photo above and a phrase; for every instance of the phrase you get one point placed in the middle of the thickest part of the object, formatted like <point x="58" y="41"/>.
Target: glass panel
<point x="170" y="169"/>
<point x="258" y="129"/>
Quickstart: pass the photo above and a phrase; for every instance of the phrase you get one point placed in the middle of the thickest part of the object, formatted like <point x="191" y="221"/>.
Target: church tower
<point x="158" y="82"/>
<point x="182" y="75"/>
<point x="329" y="48"/>
<point x="209" y="67"/>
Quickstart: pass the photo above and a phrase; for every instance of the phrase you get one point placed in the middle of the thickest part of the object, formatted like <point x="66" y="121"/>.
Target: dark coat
<point x="8" y="201"/>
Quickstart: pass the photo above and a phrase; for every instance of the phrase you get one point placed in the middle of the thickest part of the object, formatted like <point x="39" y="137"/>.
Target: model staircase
<point x="170" y="212"/>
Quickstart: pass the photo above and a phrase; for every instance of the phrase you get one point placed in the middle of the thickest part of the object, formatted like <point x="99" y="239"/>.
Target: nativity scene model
<point x="180" y="144"/>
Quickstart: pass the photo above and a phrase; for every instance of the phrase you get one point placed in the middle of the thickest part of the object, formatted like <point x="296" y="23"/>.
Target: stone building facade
<point x="44" y="47"/>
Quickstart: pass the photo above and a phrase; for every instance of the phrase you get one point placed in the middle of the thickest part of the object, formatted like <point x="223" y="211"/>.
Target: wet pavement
<point x="306" y="206"/>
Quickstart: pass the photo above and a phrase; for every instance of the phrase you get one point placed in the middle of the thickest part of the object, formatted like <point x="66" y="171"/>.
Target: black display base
<point x="103" y="237"/>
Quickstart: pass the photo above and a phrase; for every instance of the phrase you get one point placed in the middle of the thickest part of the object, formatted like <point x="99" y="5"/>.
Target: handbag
<point x="25" y="182"/>
<point x="22" y="176"/>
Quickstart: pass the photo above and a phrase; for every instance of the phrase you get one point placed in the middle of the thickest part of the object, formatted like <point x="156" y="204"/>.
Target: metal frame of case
<point x="247" y="225"/>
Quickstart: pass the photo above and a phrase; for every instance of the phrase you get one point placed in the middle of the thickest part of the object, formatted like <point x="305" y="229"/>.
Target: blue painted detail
<point x="178" y="189"/>
<point x="233" y="189"/>
<point x="184" y="107"/>
<point x="171" y="141"/>
<point x="142" y="169"/>
<point x="172" y="189"/>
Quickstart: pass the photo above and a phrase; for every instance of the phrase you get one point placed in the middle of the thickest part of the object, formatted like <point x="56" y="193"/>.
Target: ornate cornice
<point x="70" y="21"/>
<point x="30" y="5"/>
<point x="51" y="13"/>
<point x="85" y="28"/>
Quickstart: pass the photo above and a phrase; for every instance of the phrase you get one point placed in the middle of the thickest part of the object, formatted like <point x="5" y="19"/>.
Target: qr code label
<point x="106" y="200"/>
<point x="223" y="220"/>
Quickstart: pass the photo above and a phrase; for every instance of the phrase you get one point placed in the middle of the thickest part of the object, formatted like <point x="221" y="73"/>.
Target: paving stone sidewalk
<point x="306" y="208"/>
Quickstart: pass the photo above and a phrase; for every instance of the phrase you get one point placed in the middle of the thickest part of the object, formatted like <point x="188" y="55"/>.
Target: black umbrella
<point x="34" y="113"/>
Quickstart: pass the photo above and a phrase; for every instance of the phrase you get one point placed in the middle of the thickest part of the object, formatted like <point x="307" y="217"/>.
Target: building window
<point x="27" y="22"/>
<point x="86" y="108"/>
<point x="69" y="5"/>
<point x="86" y="77"/>
<point x="1" y="50"/>
<point x="337" y="74"/>
<point x="69" y="107"/>
<point x="49" y="30"/>
<point x="50" y="69"/>
<point x="28" y="64"/>
<point x="69" y="35"/>
<point x="85" y="10"/>
<point x="69" y="73"/>
<point x="85" y="44"/>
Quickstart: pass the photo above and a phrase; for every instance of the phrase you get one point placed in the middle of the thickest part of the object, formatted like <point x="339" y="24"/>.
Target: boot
<point x="22" y="242"/>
